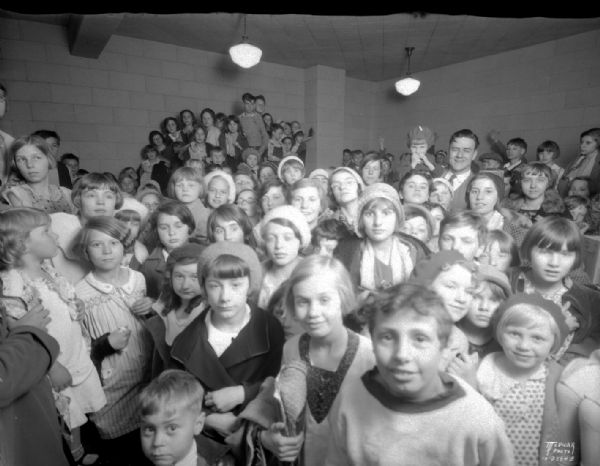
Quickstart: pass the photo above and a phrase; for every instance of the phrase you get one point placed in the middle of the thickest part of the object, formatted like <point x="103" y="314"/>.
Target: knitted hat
<point x="248" y="151"/>
<point x="182" y="252"/>
<point x="379" y="191"/>
<point x="494" y="177"/>
<point x="534" y="299"/>
<point x="293" y="215"/>
<point x="130" y="203"/>
<point x="421" y="132"/>
<point x="319" y="172"/>
<point x="286" y="160"/>
<point x="227" y="177"/>
<point x="240" y="250"/>
<point x="490" y="274"/>
<point x="491" y="156"/>
<point x="426" y="270"/>
<point x="348" y="170"/>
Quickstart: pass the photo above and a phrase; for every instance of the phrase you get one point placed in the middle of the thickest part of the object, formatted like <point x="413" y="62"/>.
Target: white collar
<point x="191" y="459"/>
<point x="109" y="288"/>
<point x="510" y="165"/>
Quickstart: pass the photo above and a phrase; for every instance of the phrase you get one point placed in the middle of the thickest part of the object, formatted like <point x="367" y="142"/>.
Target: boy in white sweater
<point x="404" y="411"/>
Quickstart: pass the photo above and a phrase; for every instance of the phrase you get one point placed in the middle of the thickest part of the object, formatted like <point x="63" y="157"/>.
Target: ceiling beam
<point x="89" y="34"/>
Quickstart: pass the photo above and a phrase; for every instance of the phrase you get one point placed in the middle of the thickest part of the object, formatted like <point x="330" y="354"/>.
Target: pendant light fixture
<point x="244" y="54"/>
<point x="408" y="85"/>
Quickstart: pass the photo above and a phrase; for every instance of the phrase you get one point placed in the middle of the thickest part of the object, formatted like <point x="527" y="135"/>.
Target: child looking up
<point x="171" y="415"/>
<point x="405" y="411"/>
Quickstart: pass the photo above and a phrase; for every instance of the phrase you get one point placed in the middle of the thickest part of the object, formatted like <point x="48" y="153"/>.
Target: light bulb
<point x="245" y="55"/>
<point x="407" y="86"/>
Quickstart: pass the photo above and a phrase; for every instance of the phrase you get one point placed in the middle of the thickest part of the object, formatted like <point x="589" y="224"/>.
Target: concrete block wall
<point x="546" y="91"/>
<point x="104" y="109"/>
<point x="360" y="115"/>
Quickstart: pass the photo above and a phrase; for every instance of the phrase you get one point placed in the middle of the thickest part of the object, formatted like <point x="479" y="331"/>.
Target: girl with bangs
<point x="230" y="223"/>
<point x="232" y="346"/>
<point x="381" y="256"/>
<point x="115" y="303"/>
<point x="552" y="249"/>
<point x="31" y="158"/>
<point x="93" y="195"/>
<point x="133" y="215"/>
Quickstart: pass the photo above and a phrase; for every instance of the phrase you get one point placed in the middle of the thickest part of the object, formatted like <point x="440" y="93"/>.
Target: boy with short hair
<point x="253" y="125"/>
<point x="547" y="152"/>
<point x="174" y="398"/>
<point x="291" y="169"/>
<point x="405" y="411"/>
<point x="463" y="232"/>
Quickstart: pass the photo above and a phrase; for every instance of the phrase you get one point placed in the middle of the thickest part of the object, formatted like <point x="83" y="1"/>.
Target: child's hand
<point x="224" y="423"/>
<point x="60" y="378"/>
<point x="37" y="316"/>
<point x="465" y="367"/>
<point x="119" y="338"/>
<point x="225" y="399"/>
<point x="142" y="306"/>
<point x="285" y="448"/>
<point x="570" y="319"/>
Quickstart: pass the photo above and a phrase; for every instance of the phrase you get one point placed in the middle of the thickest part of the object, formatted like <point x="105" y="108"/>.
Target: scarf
<point x="400" y="261"/>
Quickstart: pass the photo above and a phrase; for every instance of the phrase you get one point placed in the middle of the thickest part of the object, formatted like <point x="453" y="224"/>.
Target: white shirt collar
<point x="191" y="459"/>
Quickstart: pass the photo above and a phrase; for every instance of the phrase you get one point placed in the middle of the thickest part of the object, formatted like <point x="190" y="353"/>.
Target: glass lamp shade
<point x="407" y="86"/>
<point x="245" y="55"/>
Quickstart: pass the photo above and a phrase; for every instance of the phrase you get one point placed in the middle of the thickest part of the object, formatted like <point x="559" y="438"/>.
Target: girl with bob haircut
<point x="535" y="179"/>
<point x="188" y="123"/>
<point x="187" y="186"/>
<point x="319" y="289"/>
<point x="207" y="120"/>
<point x="484" y="194"/>
<point x="500" y="251"/>
<point x="232" y="346"/>
<point x="180" y="303"/>
<point x="230" y="223"/>
<point x="94" y="194"/>
<point x="31" y="158"/>
<point x="115" y="301"/>
<point x="552" y="252"/>
<point x="308" y="196"/>
<point x="173" y="224"/>
<point x="371" y="169"/>
<point x="170" y="128"/>
<point x="586" y="164"/>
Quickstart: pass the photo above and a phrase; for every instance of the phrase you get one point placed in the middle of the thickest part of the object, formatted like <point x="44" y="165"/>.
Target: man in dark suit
<point x="461" y="153"/>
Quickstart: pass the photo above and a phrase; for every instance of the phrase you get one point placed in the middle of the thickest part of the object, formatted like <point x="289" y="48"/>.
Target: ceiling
<point x="367" y="47"/>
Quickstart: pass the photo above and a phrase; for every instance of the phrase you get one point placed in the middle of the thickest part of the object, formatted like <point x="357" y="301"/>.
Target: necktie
<point x="452" y="180"/>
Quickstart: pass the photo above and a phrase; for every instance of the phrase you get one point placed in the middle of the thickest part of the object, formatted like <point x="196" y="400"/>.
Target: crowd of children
<point x="431" y="307"/>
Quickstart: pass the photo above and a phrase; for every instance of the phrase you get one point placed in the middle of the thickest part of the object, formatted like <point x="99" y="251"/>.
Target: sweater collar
<point x="453" y="391"/>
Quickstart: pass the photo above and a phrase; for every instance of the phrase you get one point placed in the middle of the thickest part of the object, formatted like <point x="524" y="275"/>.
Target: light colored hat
<point x="293" y="215"/>
<point x="240" y="250"/>
<point x="445" y="182"/>
<point x="130" y="203"/>
<point x="379" y="191"/>
<point x="490" y="274"/>
<point x="286" y="160"/>
<point x="227" y="177"/>
<point x="319" y="172"/>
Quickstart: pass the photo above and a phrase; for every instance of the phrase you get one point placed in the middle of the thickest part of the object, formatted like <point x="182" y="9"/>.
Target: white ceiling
<point x="367" y="47"/>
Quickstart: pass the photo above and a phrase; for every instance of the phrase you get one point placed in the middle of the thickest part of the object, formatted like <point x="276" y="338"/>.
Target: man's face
<point x="461" y="153"/>
<point x="260" y="106"/>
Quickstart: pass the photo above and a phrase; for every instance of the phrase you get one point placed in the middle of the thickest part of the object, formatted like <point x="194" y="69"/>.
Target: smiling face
<point x="168" y="435"/>
<point x="32" y="163"/>
<point x="104" y="252"/>
<point x="308" y="201"/>
<point x="184" y="280"/>
<point x="441" y="195"/>
<point x="172" y="232"/>
<point x="408" y="353"/>
<point x="455" y="288"/>
<point x="550" y="266"/>
<point x="461" y="153"/>
<point x="317" y="305"/>
<point x="416" y="189"/>
<point x="533" y="185"/>
<point x="526" y="347"/>
<point x="266" y="173"/>
<point x="483" y="196"/>
<point x="418" y="147"/>
<point x="218" y="192"/>
<point x="281" y="243"/>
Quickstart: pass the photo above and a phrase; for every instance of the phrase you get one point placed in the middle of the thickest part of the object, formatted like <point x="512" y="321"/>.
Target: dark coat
<point x="254" y="354"/>
<point x="153" y="270"/>
<point x="161" y="355"/>
<point x="28" y="418"/>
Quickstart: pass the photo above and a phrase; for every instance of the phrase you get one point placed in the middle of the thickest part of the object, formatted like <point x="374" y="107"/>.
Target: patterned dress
<point x="520" y="404"/>
<point x="125" y="372"/>
<point x="59" y="199"/>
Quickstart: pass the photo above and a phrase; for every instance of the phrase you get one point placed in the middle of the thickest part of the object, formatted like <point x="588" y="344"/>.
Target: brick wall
<point x="547" y="91"/>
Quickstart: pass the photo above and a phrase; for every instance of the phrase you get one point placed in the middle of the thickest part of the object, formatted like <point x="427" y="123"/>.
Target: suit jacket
<point x="563" y="183"/>
<point x="153" y="270"/>
<point x="459" y="198"/>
